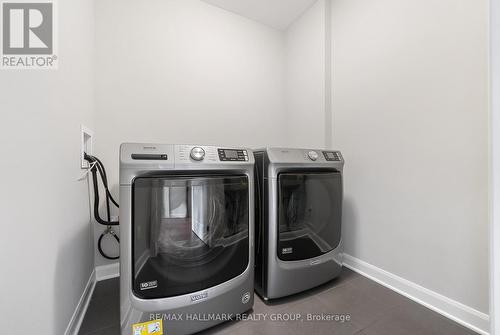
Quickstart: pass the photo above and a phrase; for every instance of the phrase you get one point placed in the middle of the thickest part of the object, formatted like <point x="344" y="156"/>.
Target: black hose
<point x="94" y="170"/>
<point x="104" y="177"/>
<point x="96" y="202"/>
<point x="99" y="244"/>
<point x="99" y="167"/>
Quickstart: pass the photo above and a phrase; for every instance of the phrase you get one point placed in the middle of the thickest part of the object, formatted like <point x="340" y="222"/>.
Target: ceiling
<point x="274" y="13"/>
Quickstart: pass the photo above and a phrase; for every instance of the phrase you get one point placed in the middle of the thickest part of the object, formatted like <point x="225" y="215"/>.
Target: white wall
<point x="495" y="201"/>
<point x="46" y="243"/>
<point x="410" y="102"/>
<point x="305" y="79"/>
<point x="185" y="71"/>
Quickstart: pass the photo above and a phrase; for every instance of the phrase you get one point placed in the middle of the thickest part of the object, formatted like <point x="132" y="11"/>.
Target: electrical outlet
<point x="86" y="145"/>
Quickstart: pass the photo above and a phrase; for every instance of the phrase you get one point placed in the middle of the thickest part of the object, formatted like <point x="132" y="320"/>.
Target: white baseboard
<point x="99" y="273"/>
<point x="454" y="310"/>
<point x="108" y="271"/>
<point x="77" y="318"/>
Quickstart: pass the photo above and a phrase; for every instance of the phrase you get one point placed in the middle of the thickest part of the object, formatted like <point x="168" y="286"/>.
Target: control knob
<point x="197" y="153"/>
<point x="313" y="155"/>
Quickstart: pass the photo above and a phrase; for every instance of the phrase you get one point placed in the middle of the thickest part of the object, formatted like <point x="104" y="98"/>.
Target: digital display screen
<point x="331" y="156"/>
<point x="231" y="153"/>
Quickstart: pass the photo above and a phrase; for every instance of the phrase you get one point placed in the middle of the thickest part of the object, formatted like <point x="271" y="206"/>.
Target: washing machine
<point x="298" y="219"/>
<point x="187" y="234"/>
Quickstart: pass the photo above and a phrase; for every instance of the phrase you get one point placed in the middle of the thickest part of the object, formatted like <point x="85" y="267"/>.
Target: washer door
<point x="309" y="214"/>
<point x="189" y="233"/>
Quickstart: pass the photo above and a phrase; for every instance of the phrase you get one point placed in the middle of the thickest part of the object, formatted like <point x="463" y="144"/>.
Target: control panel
<point x="332" y="156"/>
<point x="232" y="155"/>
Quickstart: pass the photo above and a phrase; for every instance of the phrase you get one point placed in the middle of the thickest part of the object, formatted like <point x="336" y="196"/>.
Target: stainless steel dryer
<point x="187" y="229"/>
<point x="298" y="219"/>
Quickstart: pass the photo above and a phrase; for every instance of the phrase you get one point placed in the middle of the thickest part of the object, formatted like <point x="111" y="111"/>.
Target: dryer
<point x="187" y="230"/>
<point x="298" y="219"/>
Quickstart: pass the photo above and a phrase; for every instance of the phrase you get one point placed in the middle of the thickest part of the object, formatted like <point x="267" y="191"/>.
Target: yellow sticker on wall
<point x="146" y="328"/>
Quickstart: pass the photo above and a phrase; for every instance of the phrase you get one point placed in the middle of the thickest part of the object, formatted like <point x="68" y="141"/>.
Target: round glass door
<point x="189" y="233"/>
<point x="309" y="214"/>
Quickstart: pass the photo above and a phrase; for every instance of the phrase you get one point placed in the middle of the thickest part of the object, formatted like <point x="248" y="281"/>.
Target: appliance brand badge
<point x="198" y="297"/>
<point x="285" y="251"/>
<point x="149" y="285"/>
<point x="245" y="298"/>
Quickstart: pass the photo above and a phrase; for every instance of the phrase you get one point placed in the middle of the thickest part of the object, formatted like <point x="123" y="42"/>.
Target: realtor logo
<point x="28" y="35"/>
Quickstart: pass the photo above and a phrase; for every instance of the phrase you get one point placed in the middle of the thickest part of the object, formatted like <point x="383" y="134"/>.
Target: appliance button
<point x="197" y="153"/>
<point x="313" y="155"/>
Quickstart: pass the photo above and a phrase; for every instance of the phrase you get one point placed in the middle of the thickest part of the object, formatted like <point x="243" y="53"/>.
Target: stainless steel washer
<point x="298" y="220"/>
<point x="187" y="232"/>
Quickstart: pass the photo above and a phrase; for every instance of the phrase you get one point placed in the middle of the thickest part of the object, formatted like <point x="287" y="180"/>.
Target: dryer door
<point x="189" y="233"/>
<point x="309" y="214"/>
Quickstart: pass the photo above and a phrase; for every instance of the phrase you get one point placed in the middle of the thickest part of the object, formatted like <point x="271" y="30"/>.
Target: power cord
<point x="96" y="166"/>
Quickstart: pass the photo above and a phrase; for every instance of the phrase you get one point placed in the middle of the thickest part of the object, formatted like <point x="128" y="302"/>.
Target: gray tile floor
<point x="373" y="310"/>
